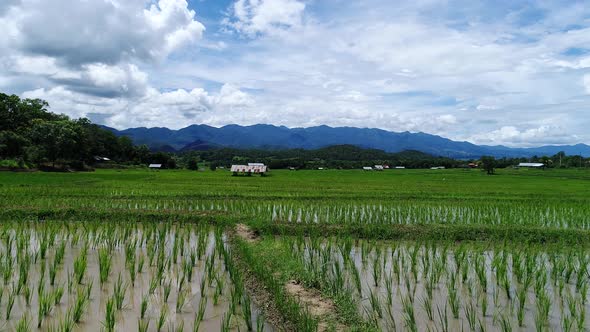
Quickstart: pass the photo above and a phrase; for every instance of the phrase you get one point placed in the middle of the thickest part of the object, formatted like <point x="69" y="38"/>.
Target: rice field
<point x="414" y="250"/>
<point x="121" y="276"/>
<point x="448" y="287"/>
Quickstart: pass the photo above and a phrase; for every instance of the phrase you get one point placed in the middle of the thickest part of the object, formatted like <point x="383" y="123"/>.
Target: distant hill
<point x="261" y="136"/>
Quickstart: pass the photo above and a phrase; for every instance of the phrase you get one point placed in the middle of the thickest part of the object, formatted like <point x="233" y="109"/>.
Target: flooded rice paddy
<point x="121" y="276"/>
<point x="409" y="286"/>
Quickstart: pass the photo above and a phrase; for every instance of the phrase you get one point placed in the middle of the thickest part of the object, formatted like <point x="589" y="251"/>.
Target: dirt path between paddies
<point x="246" y="234"/>
<point x="318" y="306"/>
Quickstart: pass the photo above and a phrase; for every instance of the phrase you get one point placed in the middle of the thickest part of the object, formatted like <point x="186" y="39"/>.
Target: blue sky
<point x="515" y="73"/>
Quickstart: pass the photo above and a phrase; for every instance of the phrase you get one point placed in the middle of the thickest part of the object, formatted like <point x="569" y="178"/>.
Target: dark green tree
<point x="489" y="164"/>
<point x="193" y="164"/>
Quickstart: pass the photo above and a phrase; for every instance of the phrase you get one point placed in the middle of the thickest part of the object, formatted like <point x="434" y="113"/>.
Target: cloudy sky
<point x="490" y="72"/>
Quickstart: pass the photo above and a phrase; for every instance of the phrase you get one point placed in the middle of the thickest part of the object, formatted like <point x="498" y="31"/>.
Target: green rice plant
<point x="143" y="325"/>
<point x="504" y="322"/>
<point x="409" y="316"/>
<point x="226" y="322"/>
<point x="181" y="283"/>
<point x="482" y="326"/>
<point x="80" y="265"/>
<point x="480" y="270"/>
<point x="23" y="276"/>
<point x="109" y="320"/>
<point x="52" y="273"/>
<point x="180" y="301"/>
<point x="188" y="269"/>
<point x="376" y="270"/>
<point x="584" y="292"/>
<point x="45" y="302"/>
<point x="153" y="285"/>
<point x="521" y="295"/>
<point x="144" y="305"/>
<point x="23" y="324"/>
<point x="180" y="327"/>
<point x="162" y="318"/>
<point x="119" y="291"/>
<point x="70" y="283"/>
<point x="200" y="314"/>
<point x="57" y="295"/>
<point x="247" y="312"/>
<point x="234" y="300"/>
<point x="428" y="308"/>
<point x="41" y="283"/>
<point x="454" y="300"/>
<point x="104" y="264"/>
<point x="60" y="253"/>
<point x="88" y="289"/>
<point x="167" y="288"/>
<point x="27" y="293"/>
<point x="61" y="326"/>
<point x="567" y="323"/>
<point x="259" y="323"/>
<point x="572" y="304"/>
<point x="543" y="309"/>
<point x="79" y="306"/>
<point x="471" y="315"/>
<point x="507" y="285"/>
<point x="375" y="302"/>
<point x="484" y="304"/>
<point x="132" y="271"/>
<point x="581" y="317"/>
<point x="218" y="290"/>
<point x="391" y="317"/>
<point x="10" y="303"/>
<point x="443" y="319"/>
<point x="140" y="263"/>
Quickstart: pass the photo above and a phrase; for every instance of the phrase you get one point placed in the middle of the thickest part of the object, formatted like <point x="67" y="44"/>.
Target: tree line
<point x="33" y="137"/>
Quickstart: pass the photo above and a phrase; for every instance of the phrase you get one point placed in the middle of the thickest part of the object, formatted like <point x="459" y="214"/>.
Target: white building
<point x="532" y="165"/>
<point x="253" y="168"/>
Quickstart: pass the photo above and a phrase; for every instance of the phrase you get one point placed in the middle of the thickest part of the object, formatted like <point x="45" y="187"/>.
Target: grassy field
<point x="551" y="199"/>
<point x="417" y="250"/>
<point x="446" y="186"/>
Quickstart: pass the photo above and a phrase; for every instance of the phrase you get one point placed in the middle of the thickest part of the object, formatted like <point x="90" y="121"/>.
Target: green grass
<point x="519" y="205"/>
<point x="464" y="186"/>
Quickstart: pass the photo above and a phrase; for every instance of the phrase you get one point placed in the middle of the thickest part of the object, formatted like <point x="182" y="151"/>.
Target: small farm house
<point x="532" y="165"/>
<point x="368" y="168"/>
<point x="378" y="167"/>
<point x="251" y="168"/>
<point x="155" y="166"/>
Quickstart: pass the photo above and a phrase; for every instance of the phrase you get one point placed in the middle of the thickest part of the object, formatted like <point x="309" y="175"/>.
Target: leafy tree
<point x="56" y="139"/>
<point x="12" y="144"/>
<point x="193" y="164"/>
<point x="489" y="164"/>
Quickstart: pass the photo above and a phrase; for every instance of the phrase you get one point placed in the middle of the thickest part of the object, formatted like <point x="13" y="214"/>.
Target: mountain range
<point x="262" y="136"/>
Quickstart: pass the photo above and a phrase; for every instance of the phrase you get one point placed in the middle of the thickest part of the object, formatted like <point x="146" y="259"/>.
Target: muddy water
<point x="499" y="305"/>
<point x="128" y="318"/>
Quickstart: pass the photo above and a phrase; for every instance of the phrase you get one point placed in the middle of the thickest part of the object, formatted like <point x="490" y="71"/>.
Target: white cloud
<point x="587" y="83"/>
<point x="173" y="109"/>
<point x="483" y="71"/>
<point x="175" y="22"/>
<point x="510" y="135"/>
<point x="265" y="16"/>
<point x="123" y="30"/>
